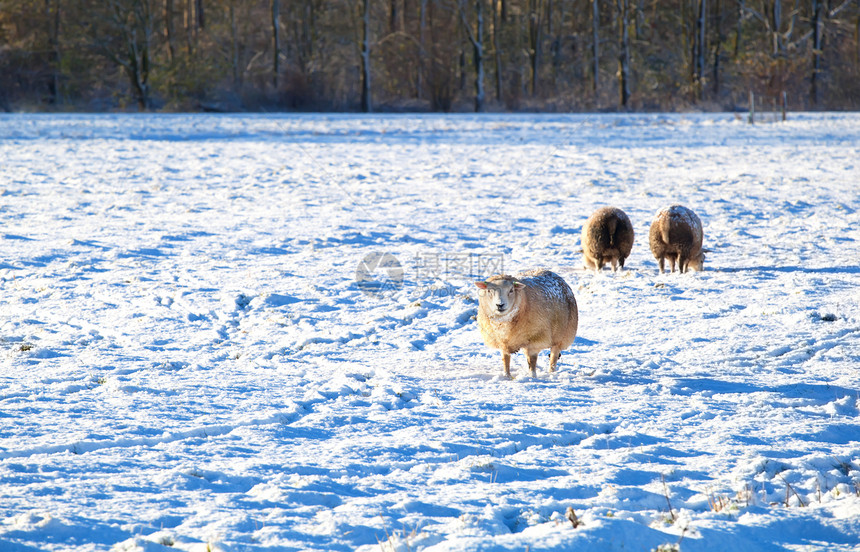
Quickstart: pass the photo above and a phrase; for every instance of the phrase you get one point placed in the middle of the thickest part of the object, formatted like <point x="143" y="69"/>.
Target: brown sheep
<point x="534" y="311"/>
<point x="607" y="236"/>
<point x="676" y="234"/>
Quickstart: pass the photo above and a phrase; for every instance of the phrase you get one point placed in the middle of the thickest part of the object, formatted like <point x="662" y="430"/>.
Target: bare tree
<point x="276" y="43"/>
<point x="776" y="26"/>
<point x="624" y="51"/>
<point x="817" y="9"/>
<point x="476" y="38"/>
<point x="169" y="29"/>
<point x="190" y="27"/>
<point x="395" y="17"/>
<point x="497" y="48"/>
<point x="557" y="40"/>
<point x="739" y="28"/>
<point x="52" y="13"/>
<point x="234" y="45"/>
<point x="699" y="48"/>
<point x="718" y="21"/>
<point x="422" y="47"/>
<point x="123" y="31"/>
<point x="364" y="54"/>
<point x="535" y="27"/>
<point x="595" y="44"/>
<point x="55" y="50"/>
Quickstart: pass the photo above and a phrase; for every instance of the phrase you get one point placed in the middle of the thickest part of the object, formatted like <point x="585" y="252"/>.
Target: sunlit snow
<point x="189" y="361"/>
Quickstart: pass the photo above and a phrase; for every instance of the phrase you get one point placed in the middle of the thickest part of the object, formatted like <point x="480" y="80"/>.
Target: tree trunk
<point x="145" y="59"/>
<point x="393" y="15"/>
<point x="639" y="19"/>
<point x="308" y="34"/>
<point x="366" y="101"/>
<point x="478" y="45"/>
<point x="535" y="39"/>
<point x="302" y="34"/>
<point x="557" y="42"/>
<point x="169" y="30"/>
<point x="776" y="23"/>
<point x="718" y="46"/>
<point x="624" y="52"/>
<point x="795" y="15"/>
<point x="138" y="41"/>
<point x="699" y="49"/>
<point x="549" y="7"/>
<point x="476" y="38"/>
<point x="422" y="47"/>
<point x="738" y="30"/>
<point x="595" y="46"/>
<point x="276" y="43"/>
<point x="198" y="13"/>
<point x="857" y="40"/>
<point x="52" y="13"/>
<point x="234" y="46"/>
<point x="188" y="21"/>
<point x="497" y="49"/>
<point x="462" y="65"/>
<point x="816" y="51"/>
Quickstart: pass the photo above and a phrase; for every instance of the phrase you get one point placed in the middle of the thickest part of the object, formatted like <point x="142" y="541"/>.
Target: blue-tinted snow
<point x="187" y="361"/>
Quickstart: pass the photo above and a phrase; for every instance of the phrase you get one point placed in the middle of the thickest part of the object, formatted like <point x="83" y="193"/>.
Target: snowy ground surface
<point x="188" y="362"/>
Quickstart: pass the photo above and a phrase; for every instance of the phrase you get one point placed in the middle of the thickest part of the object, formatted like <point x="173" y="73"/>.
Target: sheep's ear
<point x="518" y="284"/>
<point x="481" y="285"/>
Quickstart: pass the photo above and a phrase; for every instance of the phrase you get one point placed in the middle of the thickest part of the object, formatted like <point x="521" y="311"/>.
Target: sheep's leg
<point x="506" y="361"/>
<point x="532" y="363"/>
<point x="662" y="263"/>
<point x="554" y="353"/>
<point x="682" y="264"/>
<point x="614" y="264"/>
<point x="672" y="262"/>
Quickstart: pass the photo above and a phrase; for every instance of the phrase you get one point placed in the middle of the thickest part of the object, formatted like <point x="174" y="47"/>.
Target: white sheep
<point x="676" y="234"/>
<point x="535" y="310"/>
<point x="607" y="236"/>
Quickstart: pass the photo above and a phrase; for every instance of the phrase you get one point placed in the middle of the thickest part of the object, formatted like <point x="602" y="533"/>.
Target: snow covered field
<point x="200" y="350"/>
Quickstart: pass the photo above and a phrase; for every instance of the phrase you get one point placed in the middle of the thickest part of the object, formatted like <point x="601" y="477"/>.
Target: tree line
<point x="428" y="55"/>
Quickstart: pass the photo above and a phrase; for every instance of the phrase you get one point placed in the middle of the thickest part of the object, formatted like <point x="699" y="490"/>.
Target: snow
<point x="188" y="361"/>
<point x="548" y="283"/>
<point x="681" y="215"/>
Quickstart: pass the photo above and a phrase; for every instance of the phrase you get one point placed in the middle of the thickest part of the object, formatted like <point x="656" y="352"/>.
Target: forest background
<point x="428" y="55"/>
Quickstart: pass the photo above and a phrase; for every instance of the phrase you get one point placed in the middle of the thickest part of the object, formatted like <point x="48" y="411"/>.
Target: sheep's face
<point x="698" y="263"/>
<point x="499" y="297"/>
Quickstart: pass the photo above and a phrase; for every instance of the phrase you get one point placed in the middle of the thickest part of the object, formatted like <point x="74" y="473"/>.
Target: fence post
<point x="752" y="108"/>
<point x="784" y="105"/>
